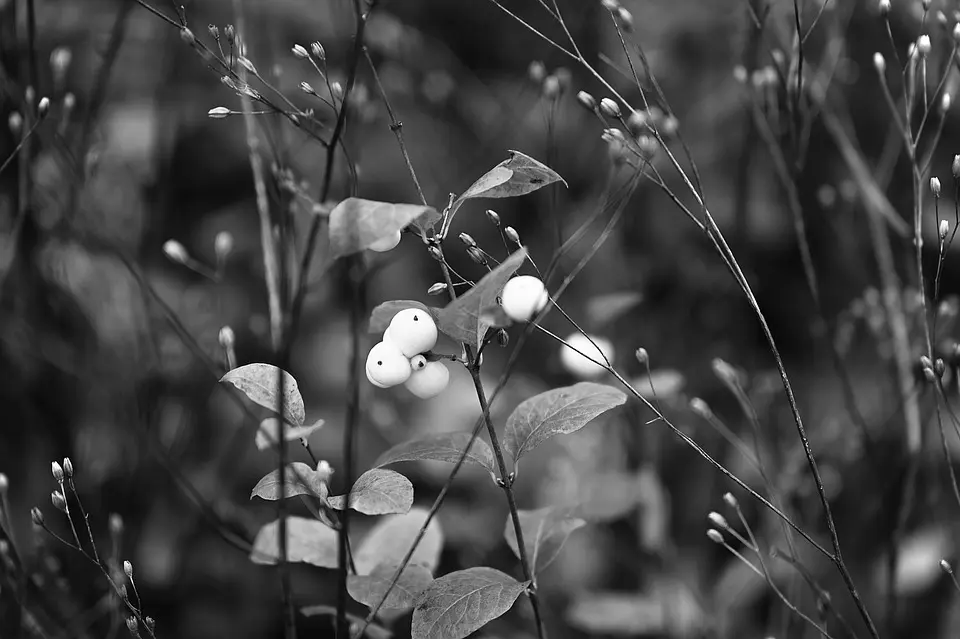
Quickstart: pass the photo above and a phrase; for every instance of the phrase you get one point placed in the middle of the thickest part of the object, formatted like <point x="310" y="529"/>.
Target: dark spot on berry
<point x="416" y="318"/>
<point x="379" y="362"/>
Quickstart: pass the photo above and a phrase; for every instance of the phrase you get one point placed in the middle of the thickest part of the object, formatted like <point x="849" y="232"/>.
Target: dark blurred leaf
<point x="445" y="447"/>
<point x="602" y="309"/>
<point x="378" y="492"/>
<point x="259" y="383"/>
<point x="392" y="537"/>
<point x="373" y="631"/>
<point x="300" y="479"/>
<point x="382" y="315"/>
<point x="462" y="602"/>
<point x="617" y="613"/>
<point x="369" y="589"/>
<point x="544" y="533"/>
<point x="461" y="319"/>
<point x="557" y="412"/>
<point x="308" y="541"/>
<point x="269" y="431"/>
<point x="355" y="223"/>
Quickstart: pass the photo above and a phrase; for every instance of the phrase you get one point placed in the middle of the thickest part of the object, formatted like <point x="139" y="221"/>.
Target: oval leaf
<point x="518" y="175"/>
<point x="308" y="541"/>
<point x="369" y="589"/>
<point x="377" y="492"/>
<point x="557" y="412"/>
<point x="389" y="541"/>
<point x="355" y="223"/>
<point x="300" y="480"/>
<point x="269" y="432"/>
<point x="446" y="447"/>
<point x="382" y="315"/>
<point x="544" y="533"/>
<point x="462" y="602"/>
<point x="462" y="319"/>
<point x="259" y="383"/>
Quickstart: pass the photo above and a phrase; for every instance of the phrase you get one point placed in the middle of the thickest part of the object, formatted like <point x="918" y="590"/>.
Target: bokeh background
<point x="92" y="367"/>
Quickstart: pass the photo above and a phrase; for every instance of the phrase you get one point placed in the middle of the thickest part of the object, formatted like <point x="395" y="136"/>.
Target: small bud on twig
<point x="503" y="338"/>
<point x="537" y="71"/>
<point x="318" y="51"/>
<point x="187" y="36"/>
<point x="300" y="52"/>
<point x="36" y="516"/>
<point x="57" y="470"/>
<point x="223" y="244"/>
<point x="58" y="501"/>
<point x="730" y="500"/>
<point x="923" y="45"/>
<point x="43" y="107"/>
<point x="175" y="251"/>
<point x="324" y="470"/>
<point x="231" y="34"/>
<point x="493" y="217"/>
<point x="467" y="239"/>
<point x="879" y="63"/>
<point x="115" y="524"/>
<point x="477" y="255"/>
<point x="944" y="229"/>
<point x="437" y="288"/>
<point x="718" y="520"/>
<point x="884" y="6"/>
<point x="435" y="253"/>
<point x="715" y="536"/>
<point x="610" y="108"/>
<point x="218" y="113"/>
<point x="701" y="408"/>
<point x="551" y="87"/>
<point x="214" y="31"/>
<point x="587" y="101"/>
<point x="226" y="337"/>
<point x="935" y="186"/>
<point x="512" y="235"/>
<point x="4" y="483"/>
<point x="128" y="569"/>
<point x="945" y="567"/>
<point x="15" y="123"/>
<point x="626" y="19"/>
<point x="642" y="356"/>
<point x="68" y="467"/>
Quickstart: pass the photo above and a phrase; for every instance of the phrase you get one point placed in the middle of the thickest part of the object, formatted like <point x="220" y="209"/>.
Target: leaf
<point x="259" y="383"/>
<point x="269" y="431"/>
<point x="382" y="315"/>
<point x="300" y="479"/>
<point x="560" y="411"/>
<point x="462" y="602"/>
<point x="602" y="309"/>
<point x="391" y="538"/>
<point x="373" y="631"/>
<point x="369" y="589"/>
<point x="355" y="223"/>
<point x="618" y="613"/>
<point x="462" y="318"/>
<point x="308" y="541"/>
<point x="544" y="533"/>
<point x="446" y="447"/>
<point x="377" y="492"/>
<point x="518" y="175"/>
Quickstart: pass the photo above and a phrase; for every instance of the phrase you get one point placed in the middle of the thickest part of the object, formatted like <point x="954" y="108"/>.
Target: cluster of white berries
<point x="399" y="359"/>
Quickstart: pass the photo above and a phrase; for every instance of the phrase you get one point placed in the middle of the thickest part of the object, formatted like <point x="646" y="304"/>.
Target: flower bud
<point x="175" y="251"/>
<point x="223" y="244"/>
<point x="945" y="567"/>
<point x="512" y="235"/>
<point x="955" y="167"/>
<point x="248" y="65"/>
<point x="477" y="255"/>
<point x="300" y="52"/>
<point x="231" y="34"/>
<point x="435" y="253"/>
<point x="324" y="470"/>
<point x="923" y="45"/>
<point x="56" y="498"/>
<point x="467" y="239"/>
<point x="701" y="408"/>
<point x="128" y="569"/>
<point x="36" y="516"/>
<point x="730" y="500"/>
<point x="336" y="90"/>
<point x="935" y="186"/>
<point x="115" y="524"/>
<point x="187" y="36"/>
<point x="939" y="367"/>
<point x="610" y="5"/>
<point x="879" y="63"/>
<point x="57" y="471"/>
<point x="15" y="123"/>
<point x="43" y="107"/>
<point x="609" y="108"/>
<point x="956" y="33"/>
<point x="715" y="536"/>
<point x="218" y="113"/>
<point x="226" y="337"/>
<point x="437" y="288"/>
<point x="60" y="59"/>
<point x="637" y="123"/>
<point x="69" y="101"/>
<point x="642" y="356"/>
<point x="503" y="338"/>
<point x="551" y="87"/>
<point x="122" y="592"/>
<point x="132" y="625"/>
<point x="626" y="19"/>
<point x="945" y="101"/>
<point x="150" y="623"/>
<point x="68" y="467"/>
<point x="926" y="4"/>
<point x="944" y="229"/>
<point x="884" y="7"/>
<point x="318" y="51"/>
<point x="587" y="101"/>
<point x="493" y="217"/>
<point x="4" y="483"/>
<point x="307" y="88"/>
<point x="537" y="71"/>
<point x="214" y="31"/>
<point x="718" y="520"/>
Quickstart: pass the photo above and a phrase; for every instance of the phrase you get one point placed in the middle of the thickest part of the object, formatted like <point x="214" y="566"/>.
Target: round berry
<point x="523" y="297"/>
<point x="387" y="366"/>
<point x="429" y="381"/>
<point x="417" y="363"/>
<point x="385" y="244"/>
<point x="580" y="366"/>
<point x="413" y="331"/>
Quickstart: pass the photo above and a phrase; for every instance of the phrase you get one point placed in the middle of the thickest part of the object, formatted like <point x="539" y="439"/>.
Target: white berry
<point x="387" y="366"/>
<point x="418" y="362"/>
<point x="413" y="331"/>
<point x="523" y="297"/>
<point x="385" y="244"/>
<point x="580" y="366"/>
<point x="429" y="381"/>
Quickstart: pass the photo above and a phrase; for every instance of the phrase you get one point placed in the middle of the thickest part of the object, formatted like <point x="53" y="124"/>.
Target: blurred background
<point x="94" y="364"/>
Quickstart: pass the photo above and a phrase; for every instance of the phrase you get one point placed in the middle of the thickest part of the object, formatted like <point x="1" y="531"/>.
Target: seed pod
<point x="435" y="253"/>
<point x="503" y="338"/>
<point x="318" y="51"/>
<point x="300" y="52"/>
<point x="477" y="255"/>
<point x="718" y="520"/>
<point x="214" y="31"/>
<point x="437" y="288"/>
<point x="493" y="217"/>
<point x="610" y="108"/>
<point x="512" y="235"/>
<point x="587" y="101"/>
<point x="306" y="88"/>
<point x="467" y="239"/>
<point x="175" y="251"/>
<point x="218" y="113"/>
